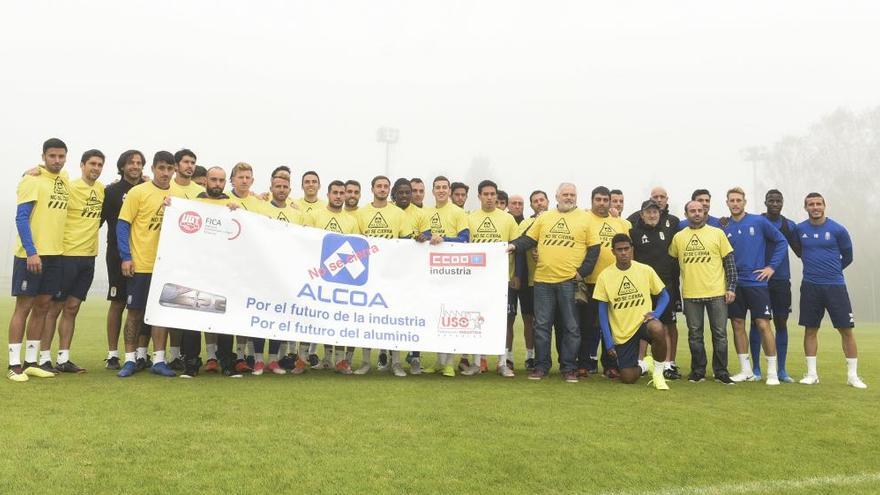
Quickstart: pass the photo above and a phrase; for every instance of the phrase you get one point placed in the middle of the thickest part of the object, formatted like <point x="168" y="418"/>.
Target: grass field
<point x="327" y="433"/>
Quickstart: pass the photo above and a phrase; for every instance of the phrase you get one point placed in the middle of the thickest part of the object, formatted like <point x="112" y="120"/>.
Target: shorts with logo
<point x="47" y="282"/>
<point x="117" y="289"/>
<point x="668" y="315"/>
<point x="526" y="297"/>
<point x="78" y="274"/>
<point x="780" y="297"/>
<point x="817" y="298"/>
<point x="138" y="290"/>
<point x="628" y="352"/>
<point x="754" y="300"/>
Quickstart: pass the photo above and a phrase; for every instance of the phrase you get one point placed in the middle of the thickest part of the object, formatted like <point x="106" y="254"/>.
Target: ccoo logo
<point x="345" y="259"/>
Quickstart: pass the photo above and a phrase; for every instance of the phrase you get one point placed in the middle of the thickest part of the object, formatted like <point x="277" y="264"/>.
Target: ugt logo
<point x="345" y="259"/>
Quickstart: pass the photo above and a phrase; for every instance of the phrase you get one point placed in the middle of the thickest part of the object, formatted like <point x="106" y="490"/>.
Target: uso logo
<point x="189" y="222"/>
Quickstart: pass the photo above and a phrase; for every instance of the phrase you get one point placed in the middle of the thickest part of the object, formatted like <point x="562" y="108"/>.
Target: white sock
<point x="239" y="350"/>
<point x="31" y="349"/>
<point x="158" y="357"/>
<point x="365" y="355"/>
<point x="771" y="367"/>
<point x="478" y="358"/>
<point x="349" y="355"/>
<point x="530" y="354"/>
<point x="211" y="349"/>
<point x="113" y="354"/>
<point x="173" y="353"/>
<point x="258" y="357"/>
<point x="811" y="366"/>
<point x="142" y="353"/>
<point x="667" y="365"/>
<point x="659" y="366"/>
<point x="509" y="355"/>
<point x="395" y="357"/>
<point x="130" y="357"/>
<point x="14" y="354"/>
<point x="45" y="356"/>
<point x="744" y="363"/>
<point x="340" y="354"/>
<point x="502" y="360"/>
<point x="313" y="348"/>
<point x="643" y="366"/>
<point x="249" y="348"/>
<point x="442" y="358"/>
<point x="63" y="356"/>
<point x="852" y="367"/>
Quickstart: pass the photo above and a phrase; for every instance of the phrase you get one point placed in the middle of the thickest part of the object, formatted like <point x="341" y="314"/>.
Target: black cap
<point x="650" y="204"/>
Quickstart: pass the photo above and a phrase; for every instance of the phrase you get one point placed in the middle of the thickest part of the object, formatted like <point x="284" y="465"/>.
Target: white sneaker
<point x="327" y="363"/>
<point x="809" y="379"/>
<point x="415" y="366"/>
<point x="504" y="371"/>
<point x="855" y="382"/>
<point x="772" y="380"/>
<point x="743" y="376"/>
<point x="788" y="379"/>
<point x="363" y="370"/>
<point x="472" y="370"/>
<point x="397" y="369"/>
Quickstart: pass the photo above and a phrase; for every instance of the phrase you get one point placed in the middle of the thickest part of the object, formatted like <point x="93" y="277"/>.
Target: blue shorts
<point x="138" y="290"/>
<point x="780" y="297"/>
<point x="754" y="300"/>
<point x="526" y="297"/>
<point x="628" y="352"/>
<point x="816" y="299"/>
<point x="78" y="273"/>
<point x="48" y="282"/>
<point x="117" y="284"/>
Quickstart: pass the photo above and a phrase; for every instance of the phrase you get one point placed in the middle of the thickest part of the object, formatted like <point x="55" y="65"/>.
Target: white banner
<point x="235" y="272"/>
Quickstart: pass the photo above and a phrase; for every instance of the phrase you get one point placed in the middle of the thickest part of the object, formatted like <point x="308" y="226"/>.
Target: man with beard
<point x="418" y="191"/>
<point x="352" y="196"/>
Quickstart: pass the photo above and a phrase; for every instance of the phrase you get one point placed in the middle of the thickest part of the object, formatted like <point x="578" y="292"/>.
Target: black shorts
<point x="47" y="282"/>
<point x="526" y="297"/>
<point x="138" y="290"/>
<point x="628" y="352"/>
<point x="117" y="285"/>
<point x="754" y="300"/>
<point x="668" y="315"/>
<point x="780" y="297"/>
<point x="78" y="274"/>
<point x="816" y="299"/>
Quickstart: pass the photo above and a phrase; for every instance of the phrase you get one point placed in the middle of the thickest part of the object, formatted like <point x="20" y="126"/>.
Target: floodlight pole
<point x="389" y="136"/>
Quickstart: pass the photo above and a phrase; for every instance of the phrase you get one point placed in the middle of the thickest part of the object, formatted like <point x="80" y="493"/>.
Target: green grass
<point x="326" y="433"/>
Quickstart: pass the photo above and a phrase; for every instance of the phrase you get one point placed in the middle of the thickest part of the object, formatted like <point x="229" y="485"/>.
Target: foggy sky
<point x="629" y="94"/>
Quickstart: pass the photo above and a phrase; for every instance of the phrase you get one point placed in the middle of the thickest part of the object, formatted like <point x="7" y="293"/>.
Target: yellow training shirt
<point x="191" y="191"/>
<point x="605" y="229"/>
<point x="387" y="222"/>
<point x="50" y="195"/>
<point x="494" y="226"/>
<point x="287" y="214"/>
<point x="416" y="219"/>
<point x="250" y="203"/>
<point x="305" y="207"/>
<point x="224" y="201"/>
<point x="83" y="218"/>
<point x="562" y="239"/>
<point x="144" y="208"/>
<point x="628" y="294"/>
<point x="322" y="218"/>
<point x="447" y="221"/>
<point x="699" y="253"/>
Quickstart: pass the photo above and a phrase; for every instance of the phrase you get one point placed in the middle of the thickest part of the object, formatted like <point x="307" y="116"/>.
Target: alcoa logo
<point x="345" y="259"/>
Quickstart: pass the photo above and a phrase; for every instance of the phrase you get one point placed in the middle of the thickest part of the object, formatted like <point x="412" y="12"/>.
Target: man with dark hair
<point x="651" y="247"/>
<point x="526" y="294"/>
<point x="418" y="191"/>
<point x="311" y="183"/>
<point x="37" y="271"/>
<point x="378" y="218"/>
<point x="562" y="237"/>
<point x="200" y="176"/>
<point x="77" y="261"/>
<point x="704" y="197"/>
<point x="448" y="224"/>
<point x="779" y="286"/>
<point x="501" y="200"/>
<point x="615" y="205"/>
<point x="459" y="191"/>
<point x="130" y="166"/>
<point x="603" y="227"/>
<point x="352" y="195"/>
<point x="333" y="219"/>
<point x="137" y="235"/>
<point x="491" y="224"/>
<point x="826" y="250"/>
<point x="708" y="283"/>
<point x="751" y="236"/>
<point x="626" y="292"/>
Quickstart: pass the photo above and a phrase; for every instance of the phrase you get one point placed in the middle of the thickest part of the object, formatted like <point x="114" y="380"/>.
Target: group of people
<point x="607" y="286"/>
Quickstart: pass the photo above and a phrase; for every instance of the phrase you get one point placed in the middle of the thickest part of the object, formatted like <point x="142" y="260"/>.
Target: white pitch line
<point x="761" y="486"/>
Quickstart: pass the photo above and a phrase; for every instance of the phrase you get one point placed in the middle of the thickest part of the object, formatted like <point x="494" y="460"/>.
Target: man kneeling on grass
<point x="626" y="292"/>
